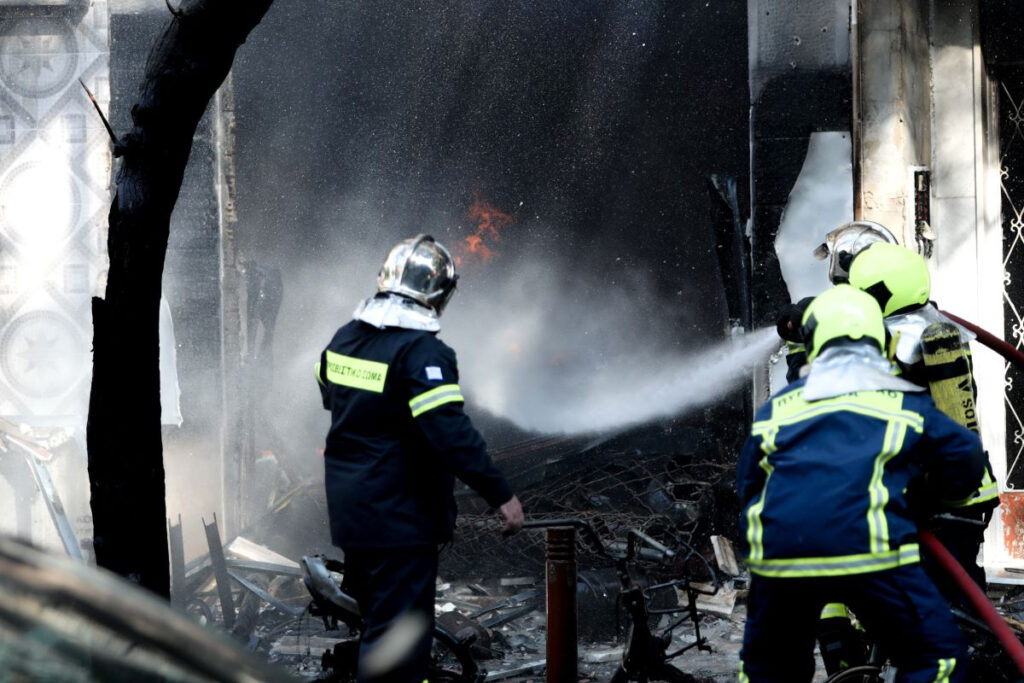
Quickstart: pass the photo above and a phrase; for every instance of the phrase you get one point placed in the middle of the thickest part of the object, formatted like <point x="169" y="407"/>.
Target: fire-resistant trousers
<point x="389" y="584"/>
<point x="899" y="608"/>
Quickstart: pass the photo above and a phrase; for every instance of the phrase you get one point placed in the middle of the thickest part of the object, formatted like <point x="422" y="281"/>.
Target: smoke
<point x="590" y="359"/>
<point x="549" y="342"/>
<point x="592" y="124"/>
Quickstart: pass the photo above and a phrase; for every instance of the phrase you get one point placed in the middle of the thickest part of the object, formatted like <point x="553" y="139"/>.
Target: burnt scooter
<point x="451" y="660"/>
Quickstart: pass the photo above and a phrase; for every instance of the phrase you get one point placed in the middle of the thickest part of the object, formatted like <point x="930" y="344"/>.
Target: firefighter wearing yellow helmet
<point x="931" y="350"/>
<point x="827" y="480"/>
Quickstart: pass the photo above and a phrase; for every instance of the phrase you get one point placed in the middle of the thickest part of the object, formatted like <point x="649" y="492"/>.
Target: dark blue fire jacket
<point x="824" y="484"/>
<point x="398" y="438"/>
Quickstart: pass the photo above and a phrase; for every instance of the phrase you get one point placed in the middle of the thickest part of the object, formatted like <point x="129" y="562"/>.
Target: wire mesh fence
<point x="669" y="496"/>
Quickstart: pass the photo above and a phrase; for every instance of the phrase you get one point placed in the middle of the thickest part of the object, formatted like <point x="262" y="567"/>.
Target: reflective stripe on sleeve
<point x="357" y="373"/>
<point x="446" y="393"/>
<point x="946" y="667"/>
<point x="989" y="490"/>
<point x="316" y="369"/>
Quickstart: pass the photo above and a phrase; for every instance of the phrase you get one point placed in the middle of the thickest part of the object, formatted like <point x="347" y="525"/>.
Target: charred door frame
<point x="788" y="109"/>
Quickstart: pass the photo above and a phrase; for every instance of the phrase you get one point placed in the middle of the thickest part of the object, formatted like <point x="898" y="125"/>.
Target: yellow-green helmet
<point x="843" y="312"/>
<point x="896" y="276"/>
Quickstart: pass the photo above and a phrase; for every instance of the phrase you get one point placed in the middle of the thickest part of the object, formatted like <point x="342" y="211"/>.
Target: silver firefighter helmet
<point x="422" y="270"/>
<point x="845" y="242"/>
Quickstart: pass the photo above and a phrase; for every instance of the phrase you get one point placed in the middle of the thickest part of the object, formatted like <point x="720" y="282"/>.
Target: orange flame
<point x="490" y="222"/>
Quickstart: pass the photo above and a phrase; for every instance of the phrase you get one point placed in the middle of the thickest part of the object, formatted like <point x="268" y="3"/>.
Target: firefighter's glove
<point x="789" y="319"/>
<point x="512" y="512"/>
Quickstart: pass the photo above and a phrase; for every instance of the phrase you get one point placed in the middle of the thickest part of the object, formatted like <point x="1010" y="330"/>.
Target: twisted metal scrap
<point x="659" y="495"/>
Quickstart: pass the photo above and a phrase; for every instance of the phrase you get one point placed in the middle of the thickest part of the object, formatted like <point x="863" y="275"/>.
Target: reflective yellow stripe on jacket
<point x="428" y="400"/>
<point x="791" y="408"/>
<point x="946" y="667"/>
<point x="755" y="529"/>
<point x="841" y="565"/>
<point x="989" y="490"/>
<point x="356" y="373"/>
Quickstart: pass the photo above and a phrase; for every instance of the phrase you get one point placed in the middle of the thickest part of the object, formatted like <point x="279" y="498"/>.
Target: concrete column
<point x="891" y="109"/>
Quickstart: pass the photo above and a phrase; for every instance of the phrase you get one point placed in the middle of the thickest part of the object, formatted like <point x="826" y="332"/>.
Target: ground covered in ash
<point x="514" y="647"/>
<point x="514" y="650"/>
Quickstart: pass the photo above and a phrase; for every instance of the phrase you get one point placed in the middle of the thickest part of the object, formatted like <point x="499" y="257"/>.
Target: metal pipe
<point x="856" y="124"/>
<point x="562" y="626"/>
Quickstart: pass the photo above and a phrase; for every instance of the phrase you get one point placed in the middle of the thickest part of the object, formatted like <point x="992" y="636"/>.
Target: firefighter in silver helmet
<point x="398" y="438"/>
<point x="845" y="242"/>
<point x="839" y="247"/>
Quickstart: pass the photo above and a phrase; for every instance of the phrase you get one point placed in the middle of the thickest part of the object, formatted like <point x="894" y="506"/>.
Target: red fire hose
<point x="978" y="599"/>
<point x="990" y="340"/>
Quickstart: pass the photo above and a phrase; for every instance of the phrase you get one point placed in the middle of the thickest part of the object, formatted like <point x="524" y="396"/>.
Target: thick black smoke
<point x="591" y="123"/>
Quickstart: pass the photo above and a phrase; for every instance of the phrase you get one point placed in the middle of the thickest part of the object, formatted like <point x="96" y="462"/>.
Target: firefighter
<point x="398" y="438"/>
<point x="826" y="479"/>
<point x="898" y="278"/>
<point x="839" y="247"/>
<point x="842" y="645"/>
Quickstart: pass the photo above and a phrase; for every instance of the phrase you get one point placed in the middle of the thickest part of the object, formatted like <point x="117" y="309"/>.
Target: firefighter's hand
<point x="787" y="323"/>
<point x="512" y="511"/>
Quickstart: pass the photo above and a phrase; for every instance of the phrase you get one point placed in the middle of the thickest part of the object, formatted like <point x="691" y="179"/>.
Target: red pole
<point x="561" y="605"/>
<point x="990" y="340"/>
<point x="978" y="599"/>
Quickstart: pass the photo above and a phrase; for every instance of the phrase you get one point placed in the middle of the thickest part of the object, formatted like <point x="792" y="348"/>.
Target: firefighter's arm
<point x="463" y="452"/>
<point x="787" y="324"/>
<point x="435" y="401"/>
<point x="750" y="477"/>
<point x="953" y="458"/>
<point x="321" y="377"/>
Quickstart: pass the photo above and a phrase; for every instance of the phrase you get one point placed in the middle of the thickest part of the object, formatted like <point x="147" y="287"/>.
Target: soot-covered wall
<point x="590" y="125"/>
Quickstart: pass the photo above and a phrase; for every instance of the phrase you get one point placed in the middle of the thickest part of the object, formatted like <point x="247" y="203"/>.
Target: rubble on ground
<point x="504" y="617"/>
<point x="493" y="589"/>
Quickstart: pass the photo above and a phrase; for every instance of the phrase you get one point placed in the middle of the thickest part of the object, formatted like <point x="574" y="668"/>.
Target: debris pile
<point x="672" y="482"/>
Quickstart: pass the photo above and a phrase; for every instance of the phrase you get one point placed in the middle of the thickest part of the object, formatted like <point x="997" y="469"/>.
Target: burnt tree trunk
<point x="187" y="64"/>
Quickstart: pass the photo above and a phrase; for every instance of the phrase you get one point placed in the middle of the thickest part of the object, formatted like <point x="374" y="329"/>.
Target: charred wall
<point x="593" y="124"/>
<point x="800" y="84"/>
<point x="781" y="131"/>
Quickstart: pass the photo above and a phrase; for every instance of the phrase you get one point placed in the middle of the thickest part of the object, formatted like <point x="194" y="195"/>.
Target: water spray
<point x="619" y="394"/>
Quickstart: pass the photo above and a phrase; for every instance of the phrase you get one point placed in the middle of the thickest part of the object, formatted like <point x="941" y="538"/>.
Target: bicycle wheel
<point x="866" y="673"/>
